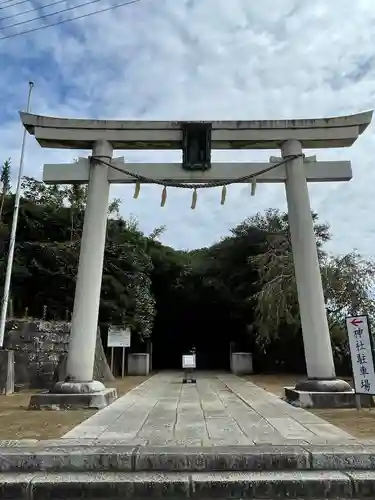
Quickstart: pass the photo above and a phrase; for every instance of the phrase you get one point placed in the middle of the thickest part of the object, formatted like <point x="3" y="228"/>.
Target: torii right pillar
<point x="316" y="337"/>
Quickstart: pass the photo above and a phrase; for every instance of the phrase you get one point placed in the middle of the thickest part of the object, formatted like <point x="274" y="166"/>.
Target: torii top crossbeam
<point x="69" y="133"/>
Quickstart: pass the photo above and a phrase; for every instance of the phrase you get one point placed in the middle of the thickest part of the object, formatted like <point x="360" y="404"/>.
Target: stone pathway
<point x="218" y="410"/>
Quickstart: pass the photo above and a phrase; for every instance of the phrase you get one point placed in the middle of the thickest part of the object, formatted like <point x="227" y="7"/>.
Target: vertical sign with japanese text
<point x="360" y="344"/>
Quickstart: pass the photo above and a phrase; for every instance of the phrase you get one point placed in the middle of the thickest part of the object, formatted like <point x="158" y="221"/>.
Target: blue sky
<point x="202" y="59"/>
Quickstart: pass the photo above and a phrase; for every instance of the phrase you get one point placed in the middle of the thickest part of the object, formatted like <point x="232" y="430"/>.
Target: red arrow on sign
<point x="356" y="322"/>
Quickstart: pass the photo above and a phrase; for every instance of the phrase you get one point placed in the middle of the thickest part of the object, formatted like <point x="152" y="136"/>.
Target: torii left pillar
<point x="80" y="363"/>
<point x="79" y="388"/>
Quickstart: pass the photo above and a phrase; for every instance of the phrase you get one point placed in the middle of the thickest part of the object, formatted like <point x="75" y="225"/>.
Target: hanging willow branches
<point x="348" y="281"/>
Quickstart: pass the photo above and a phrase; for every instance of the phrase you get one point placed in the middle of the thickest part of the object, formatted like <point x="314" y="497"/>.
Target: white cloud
<point x="206" y="59"/>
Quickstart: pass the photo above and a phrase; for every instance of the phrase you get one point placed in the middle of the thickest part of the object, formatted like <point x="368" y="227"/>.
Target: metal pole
<point x="112" y="359"/>
<point x="123" y="362"/>
<point x="12" y="241"/>
<point x="358" y="402"/>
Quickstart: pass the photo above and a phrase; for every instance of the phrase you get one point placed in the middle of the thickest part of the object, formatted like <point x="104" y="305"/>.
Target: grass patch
<point x="17" y="422"/>
<point x="360" y="424"/>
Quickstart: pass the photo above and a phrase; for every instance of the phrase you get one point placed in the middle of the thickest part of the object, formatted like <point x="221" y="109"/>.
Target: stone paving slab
<point x="54" y="457"/>
<point x="219" y="410"/>
<point x="214" y="485"/>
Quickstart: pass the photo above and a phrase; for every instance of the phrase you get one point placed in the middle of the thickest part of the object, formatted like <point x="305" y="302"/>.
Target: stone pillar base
<point x="320" y="393"/>
<point x="311" y="399"/>
<point x="72" y="395"/>
<point x="73" y="387"/>
<point x="73" y="401"/>
<point x="323" y="385"/>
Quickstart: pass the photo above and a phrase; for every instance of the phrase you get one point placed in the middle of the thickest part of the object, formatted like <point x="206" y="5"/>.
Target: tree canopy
<point x="240" y="290"/>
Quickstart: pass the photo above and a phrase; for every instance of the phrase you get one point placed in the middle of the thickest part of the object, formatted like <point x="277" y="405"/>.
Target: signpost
<point x="188" y="365"/>
<point x="361" y="351"/>
<point x="118" y="336"/>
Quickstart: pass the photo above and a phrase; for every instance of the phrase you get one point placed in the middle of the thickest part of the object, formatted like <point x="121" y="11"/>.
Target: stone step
<point x="62" y="456"/>
<point x="215" y="485"/>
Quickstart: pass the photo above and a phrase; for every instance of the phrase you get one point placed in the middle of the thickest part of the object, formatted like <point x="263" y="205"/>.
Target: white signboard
<point x="118" y="336"/>
<point x="360" y="344"/>
<point x="188" y="361"/>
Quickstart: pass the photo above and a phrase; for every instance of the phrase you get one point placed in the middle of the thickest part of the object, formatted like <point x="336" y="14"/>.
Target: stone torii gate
<point x="196" y="140"/>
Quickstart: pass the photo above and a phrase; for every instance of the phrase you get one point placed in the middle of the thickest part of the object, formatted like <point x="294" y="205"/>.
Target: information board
<point x="360" y="343"/>
<point x="118" y="336"/>
<point x="188" y="361"/>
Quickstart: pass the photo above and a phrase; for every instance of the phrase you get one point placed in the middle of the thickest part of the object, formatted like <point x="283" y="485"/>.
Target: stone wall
<point x="40" y="349"/>
<point x="38" y="346"/>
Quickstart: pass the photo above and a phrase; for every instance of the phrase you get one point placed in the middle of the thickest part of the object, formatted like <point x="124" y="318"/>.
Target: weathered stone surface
<point x="72" y="387"/>
<point x="109" y="486"/>
<point x="363" y="483"/>
<point x="290" y="428"/>
<point x="94" y="400"/>
<point x="113" y="485"/>
<point x="328" y="431"/>
<point x="216" y="411"/>
<point x="18" y="442"/>
<point x="341" y="457"/>
<point x="304" y="399"/>
<point x="221" y="458"/>
<point x="323" y="385"/>
<point x="68" y="459"/>
<point x="95" y="456"/>
<point x="39" y="346"/>
<point x="50" y="443"/>
<point x="15" y="486"/>
<point x="272" y="485"/>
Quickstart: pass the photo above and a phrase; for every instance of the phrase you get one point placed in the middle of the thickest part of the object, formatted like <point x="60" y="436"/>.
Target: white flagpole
<point x="12" y="241"/>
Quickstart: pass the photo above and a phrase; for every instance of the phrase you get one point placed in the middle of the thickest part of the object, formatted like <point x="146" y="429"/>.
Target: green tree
<point x="157" y="232"/>
<point x="47" y="251"/>
<point x="348" y="284"/>
<point x="76" y="195"/>
<point x="5" y="181"/>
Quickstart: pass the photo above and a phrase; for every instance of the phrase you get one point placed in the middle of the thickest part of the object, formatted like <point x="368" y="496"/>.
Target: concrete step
<point x="300" y="485"/>
<point x="65" y="455"/>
